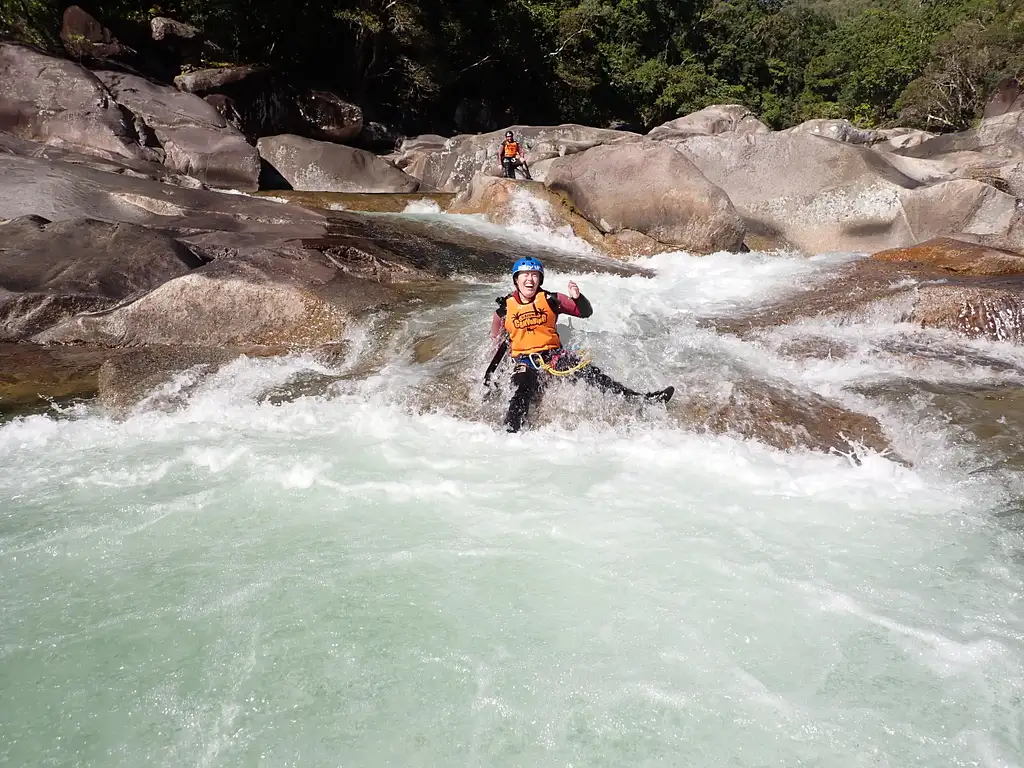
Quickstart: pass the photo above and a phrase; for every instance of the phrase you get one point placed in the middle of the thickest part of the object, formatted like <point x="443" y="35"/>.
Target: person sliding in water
<point x="525" y="323"/>
<point x="510" y="155"/>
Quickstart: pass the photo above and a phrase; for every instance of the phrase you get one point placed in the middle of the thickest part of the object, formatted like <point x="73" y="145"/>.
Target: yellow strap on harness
<point x="538" y="362"/>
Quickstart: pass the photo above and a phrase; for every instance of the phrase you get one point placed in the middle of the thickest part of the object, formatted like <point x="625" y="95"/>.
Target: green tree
<point x="867" y="63"/>
<point x="930" y="62"/>
<point x="963" y="68"/>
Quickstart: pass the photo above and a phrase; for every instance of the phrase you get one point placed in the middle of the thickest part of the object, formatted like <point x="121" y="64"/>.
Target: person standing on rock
<point x="525" y="324"/>
<point x="511" y="157"/>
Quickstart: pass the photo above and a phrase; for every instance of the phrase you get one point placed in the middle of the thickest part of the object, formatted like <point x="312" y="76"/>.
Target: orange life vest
<point x="511" y="148"/>
<point x="531" y="327"/>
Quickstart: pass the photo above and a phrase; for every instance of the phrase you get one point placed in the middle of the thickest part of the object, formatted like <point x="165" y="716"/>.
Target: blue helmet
<point x="529" y="264"/>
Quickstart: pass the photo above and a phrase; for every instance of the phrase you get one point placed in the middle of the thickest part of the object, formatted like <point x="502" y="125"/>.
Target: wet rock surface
<point x="503" y="201"/>
<point x="958" y="258"/>
<point x="32" y="376"/>
<point x="935" y="286"/>
<point x="52" y="271"/>
<point x="382" y="202"/>
<point x="142" y="374"/>
<point x="779" y="415"/>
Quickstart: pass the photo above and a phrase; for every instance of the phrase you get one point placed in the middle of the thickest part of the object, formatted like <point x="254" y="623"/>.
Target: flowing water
<point x="378" y="575"/>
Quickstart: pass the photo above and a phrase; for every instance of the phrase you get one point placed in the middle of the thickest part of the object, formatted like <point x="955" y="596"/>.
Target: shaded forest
<point x="450" y="65"/>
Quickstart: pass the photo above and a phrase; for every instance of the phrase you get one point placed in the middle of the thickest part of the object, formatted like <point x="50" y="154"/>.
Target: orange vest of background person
<point x="510" y="148"/>
<point x="531" y="327"/>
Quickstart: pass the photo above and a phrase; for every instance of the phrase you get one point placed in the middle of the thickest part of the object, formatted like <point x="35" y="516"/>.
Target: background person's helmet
<point x="529" y="264"/>
<point x="509" y="135"/>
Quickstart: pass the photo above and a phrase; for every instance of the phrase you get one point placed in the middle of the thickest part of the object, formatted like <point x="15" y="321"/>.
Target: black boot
<point x="661" y="396"/>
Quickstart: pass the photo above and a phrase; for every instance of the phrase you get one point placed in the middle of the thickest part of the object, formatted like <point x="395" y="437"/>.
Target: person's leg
<point x="526" y="384"/>
<point x="510" y="168"/>
<point x="598" y="378"/>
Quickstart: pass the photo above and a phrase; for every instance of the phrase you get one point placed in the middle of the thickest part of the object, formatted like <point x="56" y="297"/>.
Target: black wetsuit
<point x="509" y="165"/>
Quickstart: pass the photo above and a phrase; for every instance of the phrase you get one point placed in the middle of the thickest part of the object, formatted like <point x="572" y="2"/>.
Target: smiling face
<point x="528" y="283"/>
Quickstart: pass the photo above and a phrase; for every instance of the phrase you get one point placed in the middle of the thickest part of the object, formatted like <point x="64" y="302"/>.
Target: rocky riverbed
<point x="132" y="247"/>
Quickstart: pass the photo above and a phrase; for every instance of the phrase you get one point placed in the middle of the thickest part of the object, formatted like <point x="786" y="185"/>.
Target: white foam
<point x="532" y="222"/>
<point x="533" y="219"/>
<point x="421" y="207"/>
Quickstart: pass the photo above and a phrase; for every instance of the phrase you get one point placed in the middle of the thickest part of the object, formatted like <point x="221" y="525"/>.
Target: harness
<point x="536" y="361"/>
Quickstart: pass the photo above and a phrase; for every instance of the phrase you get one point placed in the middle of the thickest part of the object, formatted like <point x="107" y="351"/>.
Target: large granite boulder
<point x="838" y="130"/>
<point x="318" y="166"/>
<point x="710" y="121"/>
<point x="59" y="191"/>
<point x="802" y="191"/>
<point x="267" y="299"/>
<point x="1007" y="96"/>
<point x="52" y="271"/>
<point x="85" y="38"/>
<point x="195" y="139"/>
<point x="651" y="189"/>
<point x="59" y="102"/>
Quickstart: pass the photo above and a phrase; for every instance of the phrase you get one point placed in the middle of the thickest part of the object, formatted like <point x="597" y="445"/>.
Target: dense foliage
<point x="929" y="63"/>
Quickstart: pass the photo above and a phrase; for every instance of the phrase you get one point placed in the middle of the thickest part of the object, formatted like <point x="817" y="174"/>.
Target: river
<point x="248" y="570"/>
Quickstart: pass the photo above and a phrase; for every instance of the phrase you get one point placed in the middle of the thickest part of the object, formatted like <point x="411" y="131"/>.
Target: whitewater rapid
<point x="374" y="573"/>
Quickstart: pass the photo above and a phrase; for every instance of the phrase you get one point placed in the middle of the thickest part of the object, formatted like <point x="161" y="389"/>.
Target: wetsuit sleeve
<point x="497" y="326"/>
<point x="576" y="307"/>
